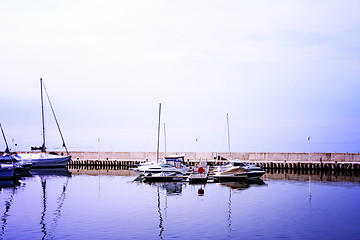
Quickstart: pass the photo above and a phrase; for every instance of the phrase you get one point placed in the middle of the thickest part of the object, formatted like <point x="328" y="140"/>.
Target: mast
<point x="42" y="116"/>
<point x="227" y="119"/>
<point x="165" y="137"/>
<point x="7" y="146"/>
<point x="158" y="139"/>
<point x="309" y="149"/>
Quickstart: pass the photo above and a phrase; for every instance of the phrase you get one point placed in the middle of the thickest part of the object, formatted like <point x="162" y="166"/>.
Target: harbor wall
<point x="212" y="156"/>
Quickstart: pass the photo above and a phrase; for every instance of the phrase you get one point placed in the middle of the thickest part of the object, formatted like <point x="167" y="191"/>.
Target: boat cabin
<point x="174" y="161"/>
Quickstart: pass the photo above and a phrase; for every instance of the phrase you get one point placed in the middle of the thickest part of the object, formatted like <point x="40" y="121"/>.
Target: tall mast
<point x="165" y="137"/>
<point x="227" y="119"/>
<point x="158" y="139"/>
<point x="42" y="116"/>
<point x="309" y="149"/>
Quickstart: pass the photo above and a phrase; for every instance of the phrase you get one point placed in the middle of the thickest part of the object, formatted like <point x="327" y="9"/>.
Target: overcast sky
<point x="282" y="70"/>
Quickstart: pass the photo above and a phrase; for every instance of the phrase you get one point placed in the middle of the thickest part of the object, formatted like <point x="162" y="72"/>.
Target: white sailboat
<point x="168" y="168"/>
<point x="8" y="158"/>
<point x="6" y="164"/>
<point x="168" y="165"/>
<point x="237" y="169"/>
<point x="43" y="159"/>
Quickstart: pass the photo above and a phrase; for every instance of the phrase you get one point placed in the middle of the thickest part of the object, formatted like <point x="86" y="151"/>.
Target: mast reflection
<point x="160" y="214"/>
<point x="8" y="203"/>
<point x="46" y="175"/>
<point x="229" y="214"/>
<point x="171" y="188"/>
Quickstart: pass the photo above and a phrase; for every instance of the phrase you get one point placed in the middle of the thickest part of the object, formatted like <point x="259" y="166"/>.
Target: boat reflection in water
<point x="11" y="185"/>
<point x="61" y="171"/>
<point x="171" y="188"/>
<point x="168" y="194"/>
<point x="243" y="185"/>
<point x="45" y="175"/>
<point x="63" y="207"/>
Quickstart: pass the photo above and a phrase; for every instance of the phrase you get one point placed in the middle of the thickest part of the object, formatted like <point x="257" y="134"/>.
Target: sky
<point x="282" y="71"/>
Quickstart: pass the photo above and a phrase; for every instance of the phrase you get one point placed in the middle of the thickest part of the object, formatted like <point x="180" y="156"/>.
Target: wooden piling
<point x="267" y="165"/>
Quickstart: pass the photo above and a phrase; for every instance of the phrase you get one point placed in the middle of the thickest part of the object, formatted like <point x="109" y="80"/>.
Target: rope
<point x="7" y="146"/>
<point x="55" y="119"/>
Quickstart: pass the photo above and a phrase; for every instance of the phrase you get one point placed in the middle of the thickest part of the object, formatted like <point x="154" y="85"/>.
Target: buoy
<point x="201" y="192"/>
<point x="200" y="170"/>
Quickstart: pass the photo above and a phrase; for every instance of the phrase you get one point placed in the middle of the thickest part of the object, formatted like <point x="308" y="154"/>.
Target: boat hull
<point x="157" y="169"/>
<point x="6" y="171"/>
<point x="255" y="174"/>
<point x="230" y="178"/>
<point x="42" y="160"/>
<point x="198" y="178"/>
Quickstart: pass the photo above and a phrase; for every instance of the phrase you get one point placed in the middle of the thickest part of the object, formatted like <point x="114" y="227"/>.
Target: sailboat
<point x="169" y="168"/>
<point x="43" y="159"/>
<point x="6" y="165"/>
<point x="237" y="169"/>
<point x="9" y="161"/>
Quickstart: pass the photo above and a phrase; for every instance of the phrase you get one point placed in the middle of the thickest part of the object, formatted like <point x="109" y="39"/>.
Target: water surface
<point x="110" y="205"/>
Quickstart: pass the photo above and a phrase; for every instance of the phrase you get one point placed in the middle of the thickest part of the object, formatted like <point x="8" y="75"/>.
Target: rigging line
<point x="52" y="109"/>
<point x="7" y="146"/>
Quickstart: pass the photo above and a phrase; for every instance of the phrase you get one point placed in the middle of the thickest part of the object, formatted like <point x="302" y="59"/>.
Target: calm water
<point x="92" y="205"/>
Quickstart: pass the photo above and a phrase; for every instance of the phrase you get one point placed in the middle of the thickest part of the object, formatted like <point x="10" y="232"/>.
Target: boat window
<point x="178" y="164"/>
<point x="239" y="164"/>
<point x="174" y="162"/>
<point x="164" y="165"/>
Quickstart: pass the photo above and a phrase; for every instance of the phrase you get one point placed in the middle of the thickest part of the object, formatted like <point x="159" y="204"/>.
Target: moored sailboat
<point x="237" y="169"/>
<point x="169" y="168"/>
<point x="43" y="159"/>
<point x="9" y="159"/>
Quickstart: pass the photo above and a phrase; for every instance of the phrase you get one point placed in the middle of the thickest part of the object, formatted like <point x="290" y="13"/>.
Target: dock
<point x="268" y="161"/>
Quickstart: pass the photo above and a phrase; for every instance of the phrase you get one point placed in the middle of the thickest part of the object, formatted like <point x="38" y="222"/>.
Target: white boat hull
<point x="164" y="177"/>
<point x="45" y="160"/>
<point x="239" y="168"/>
<point x="155" y="168"/>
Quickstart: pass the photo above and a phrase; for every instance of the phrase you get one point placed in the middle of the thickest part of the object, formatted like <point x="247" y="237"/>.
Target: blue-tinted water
<point x="83" y="206"/>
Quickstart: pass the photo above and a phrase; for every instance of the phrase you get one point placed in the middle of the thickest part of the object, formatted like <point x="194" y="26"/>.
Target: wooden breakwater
<point x="211" y="156"/>
<point x="108" y="163"/>
<point x="311" y="166"/>
<point x="287" y="161"/>
<point x="291" y="166"/>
